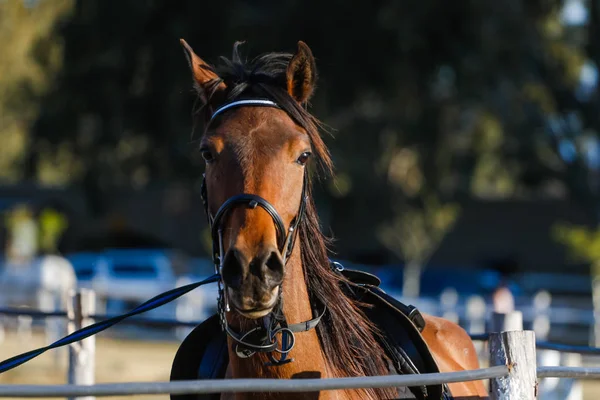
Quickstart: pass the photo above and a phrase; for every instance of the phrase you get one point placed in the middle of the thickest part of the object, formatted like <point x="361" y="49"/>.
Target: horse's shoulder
<point x="447" y="337"/>
<point x="453" y="350"/>
<point x="443" y="329"/>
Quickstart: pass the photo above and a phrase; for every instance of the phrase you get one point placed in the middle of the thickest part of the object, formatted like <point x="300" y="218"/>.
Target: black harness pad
<point x="400" y="327"/>
<point x="203" y="353"/>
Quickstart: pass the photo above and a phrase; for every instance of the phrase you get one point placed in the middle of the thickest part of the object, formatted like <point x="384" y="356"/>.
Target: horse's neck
<point x="296" y="303"/>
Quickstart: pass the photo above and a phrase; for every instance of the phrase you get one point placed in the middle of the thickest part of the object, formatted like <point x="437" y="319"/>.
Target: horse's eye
<point x="303" y="159"/>
<point x="207" y="155"/>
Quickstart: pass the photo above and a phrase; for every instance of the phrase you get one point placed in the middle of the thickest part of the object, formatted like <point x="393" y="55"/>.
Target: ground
<point x="118" y="360"/>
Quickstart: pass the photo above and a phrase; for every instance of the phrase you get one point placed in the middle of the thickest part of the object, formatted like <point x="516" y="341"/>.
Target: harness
<point x="274" y="335"/>
<point x="203" y="354"/>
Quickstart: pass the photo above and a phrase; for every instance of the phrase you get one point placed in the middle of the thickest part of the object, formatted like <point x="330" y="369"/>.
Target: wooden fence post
<point x="515" y="349"/>
<point x="81" y="305"/>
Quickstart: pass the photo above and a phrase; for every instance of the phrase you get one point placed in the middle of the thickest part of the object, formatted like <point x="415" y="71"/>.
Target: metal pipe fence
<point x="545" y="345"/>
<point x="280" y="385"/>
<point x="511" y="371"/>
<point x="174" y="323"/>
<point x="249" y="385"/>
<point x="569" y="372"/>
<point x="158" y="322"/>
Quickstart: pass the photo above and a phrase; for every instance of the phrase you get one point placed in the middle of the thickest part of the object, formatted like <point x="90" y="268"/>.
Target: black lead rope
<point x="268" y="344"/>
<point x="93" y="329"/>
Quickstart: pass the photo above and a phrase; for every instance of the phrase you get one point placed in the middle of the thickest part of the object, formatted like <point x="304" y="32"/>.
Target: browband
<point x="239" y="103"/>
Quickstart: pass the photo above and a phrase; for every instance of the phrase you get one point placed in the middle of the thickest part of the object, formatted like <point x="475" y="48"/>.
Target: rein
<point x="260" y="339"/>
<point x="98" y="327"/>
<point x="263" y="338"/>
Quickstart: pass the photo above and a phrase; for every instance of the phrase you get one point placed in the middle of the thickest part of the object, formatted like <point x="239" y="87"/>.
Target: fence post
<point x="515" y="349"/>
<point x="81" y="305"/>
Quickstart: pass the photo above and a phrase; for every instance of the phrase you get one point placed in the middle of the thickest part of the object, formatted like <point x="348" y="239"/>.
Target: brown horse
<point x="258" y="143"/>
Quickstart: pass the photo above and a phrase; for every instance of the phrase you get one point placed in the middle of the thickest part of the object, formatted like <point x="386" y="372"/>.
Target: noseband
<point x="263" y="338"/>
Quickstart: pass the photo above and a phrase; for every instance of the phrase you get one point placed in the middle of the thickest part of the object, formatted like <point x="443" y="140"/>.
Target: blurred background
<point x="465" y="137"/>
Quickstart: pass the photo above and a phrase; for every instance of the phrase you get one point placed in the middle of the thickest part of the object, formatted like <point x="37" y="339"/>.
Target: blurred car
<point x="88" y="265"/>
<point x="197" y="305"/>
<point x="200" y="303"/>
<point x="124" y="278"/>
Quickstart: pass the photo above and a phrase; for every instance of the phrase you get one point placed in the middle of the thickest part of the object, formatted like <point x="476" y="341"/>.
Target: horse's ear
<point x="201" y="71"/>
<point x="301" y="74"/>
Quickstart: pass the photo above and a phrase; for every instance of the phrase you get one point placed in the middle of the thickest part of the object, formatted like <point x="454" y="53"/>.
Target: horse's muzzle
<point x="253" y="283"/>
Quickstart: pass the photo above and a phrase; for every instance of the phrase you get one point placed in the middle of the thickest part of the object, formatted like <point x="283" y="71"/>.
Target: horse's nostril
<point x="267" y="267"/>
<point x="235" y="282"/>
<point x="273" y="262"/>
<point x="233" y="269"/>
<point x="274" y="266"/>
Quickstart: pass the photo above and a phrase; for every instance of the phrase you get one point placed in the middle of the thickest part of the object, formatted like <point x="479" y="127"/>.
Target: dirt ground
<point x="118" y="360"/>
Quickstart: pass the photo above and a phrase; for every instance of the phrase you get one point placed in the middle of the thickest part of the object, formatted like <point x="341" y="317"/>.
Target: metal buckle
<point x="338" y="267"/>
<point x="416" y="317"/>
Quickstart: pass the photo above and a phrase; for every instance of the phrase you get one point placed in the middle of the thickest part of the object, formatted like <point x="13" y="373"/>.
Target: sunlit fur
<point x="345" y="333"/>
<point x="347" y="338"/>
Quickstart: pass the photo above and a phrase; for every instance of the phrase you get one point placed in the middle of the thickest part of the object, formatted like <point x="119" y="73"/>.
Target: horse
<point x="284" y="309"/>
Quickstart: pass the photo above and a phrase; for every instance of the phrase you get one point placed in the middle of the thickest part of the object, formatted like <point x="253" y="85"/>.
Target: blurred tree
<point x="495" y="109"/>
<point x="415" y="234"/>
<point x="584" y="245"/>
<point x="52" y="225"/>
<point x="32" y="55"/>
<point x="22" y="243"/>
<point x="432" y="101"/>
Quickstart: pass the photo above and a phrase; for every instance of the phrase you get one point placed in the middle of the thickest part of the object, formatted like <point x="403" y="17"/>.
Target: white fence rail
<point x="281" y="385"/>
<point x="512" y="372"/>
<point x="248" y="385"/>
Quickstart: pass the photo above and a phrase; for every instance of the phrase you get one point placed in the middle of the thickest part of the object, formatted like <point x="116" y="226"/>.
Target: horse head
<point x="256" y="155"/>
<point x="258" y="144"/>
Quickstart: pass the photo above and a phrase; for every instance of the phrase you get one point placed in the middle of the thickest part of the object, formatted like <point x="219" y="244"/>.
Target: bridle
<point x="263" y="338"/>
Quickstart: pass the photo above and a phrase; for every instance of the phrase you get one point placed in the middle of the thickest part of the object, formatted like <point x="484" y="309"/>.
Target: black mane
<point x="346" y="335"/>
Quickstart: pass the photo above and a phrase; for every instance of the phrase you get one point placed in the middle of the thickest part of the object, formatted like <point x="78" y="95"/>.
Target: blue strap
<point x="90" y="330"/>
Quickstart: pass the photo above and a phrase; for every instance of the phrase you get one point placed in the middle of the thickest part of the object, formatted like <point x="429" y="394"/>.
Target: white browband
<point x="239" y="103"/>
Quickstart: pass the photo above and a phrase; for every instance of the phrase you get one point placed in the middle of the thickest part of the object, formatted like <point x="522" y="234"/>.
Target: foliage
<point x="583" y="243"/>
<point x="430" y="102"/>
<point x="416" y="232"/>
<point x="32" y="55"/>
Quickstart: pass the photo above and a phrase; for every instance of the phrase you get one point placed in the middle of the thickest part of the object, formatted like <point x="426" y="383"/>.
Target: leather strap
<point x="364" y="278"/>
<point x="243" y="102"/>
<point x="308" y="325"/>
<point x="252" y="201"/>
